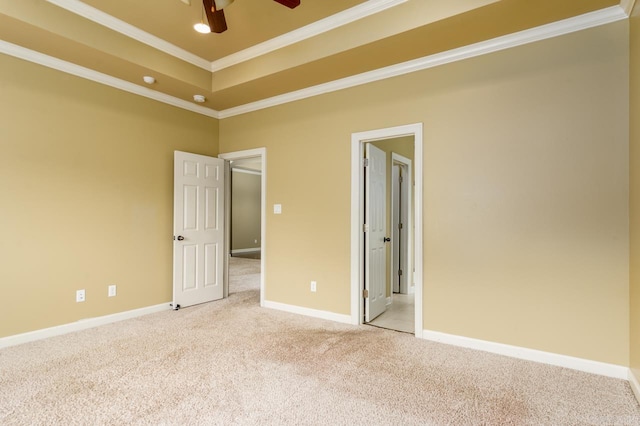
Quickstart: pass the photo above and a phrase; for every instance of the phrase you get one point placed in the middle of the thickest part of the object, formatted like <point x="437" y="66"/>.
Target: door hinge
<point x="399" y="272"/>
<point x="365" y="293"/>
<point x="400" y="226"/>
<point x="365" y="227"/>
<point x="365" y="162"/>
<point x="401" y="179"/>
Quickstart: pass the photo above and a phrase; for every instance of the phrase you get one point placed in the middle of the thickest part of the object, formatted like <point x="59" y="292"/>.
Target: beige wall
<point x="245" y="210"/>
<point x="634" y="211"/>
<point x="525" y="192"/>
<point x="86" y="176"/>
<point x="526" y="186"/>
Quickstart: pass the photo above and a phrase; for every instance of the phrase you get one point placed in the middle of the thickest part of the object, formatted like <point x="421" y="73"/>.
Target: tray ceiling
<point x="268" y="50"/>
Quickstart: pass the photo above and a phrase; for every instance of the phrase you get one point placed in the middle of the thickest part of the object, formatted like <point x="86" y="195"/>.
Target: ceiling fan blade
<point x="217" y="22"/>
<point x="289" y="3"/>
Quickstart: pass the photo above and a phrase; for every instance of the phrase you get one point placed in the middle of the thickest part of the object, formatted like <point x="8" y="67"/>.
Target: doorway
<point x="360" y="266"/>
<point x="247" y="252"/>
<point x="399" y="314"/>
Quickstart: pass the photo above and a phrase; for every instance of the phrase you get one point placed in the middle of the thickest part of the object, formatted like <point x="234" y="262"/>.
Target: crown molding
<point x="627" y="6"/>
<point x="589" y="20"/>
<point x="89" y="74"/>
<point x="115" y="24"/>
<point x="348" y="16"/>
<point x="577" y="23"/>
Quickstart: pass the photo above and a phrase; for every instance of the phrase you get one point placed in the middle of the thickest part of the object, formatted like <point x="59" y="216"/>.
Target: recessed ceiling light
<point x="199" y="98"/>
<point x="148" y="79"/>
<point x="202" y="28"/>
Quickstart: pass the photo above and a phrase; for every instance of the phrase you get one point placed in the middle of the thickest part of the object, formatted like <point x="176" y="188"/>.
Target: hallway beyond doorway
<point x="399" y="315"/>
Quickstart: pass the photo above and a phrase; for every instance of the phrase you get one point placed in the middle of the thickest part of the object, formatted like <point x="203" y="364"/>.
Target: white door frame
<point x="406" y="163"/>
<point x="254" y="153"/>
<point x="357" y="213"/>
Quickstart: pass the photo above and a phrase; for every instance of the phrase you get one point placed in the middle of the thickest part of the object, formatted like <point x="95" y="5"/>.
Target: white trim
<point x="262" y="153"/>
<point x="324" y="25"/>
<point x="247" y="171"/>
<point x="577" y="23"/>
<point x="89" y="74"/>
<point x="417" y="236"/>
<point x="408" y="163"/>
<point x="389" y="302"/>
<point x="580" y="364"/>
<point x="80" y="325"/>
<point x="246" y="250"/>
<point x="315" y="313"/>
<point x="635" y="386"/>
<point x="357" y="196"/>
<point x="115" y="24"/>
<point x="627" y="6"/>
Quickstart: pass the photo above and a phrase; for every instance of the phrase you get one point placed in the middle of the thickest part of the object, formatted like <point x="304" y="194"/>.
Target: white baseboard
<point x="389" y="301"/>
<point x="635" y="385"/>
<point x="315" y="313"/>
<point x="580" y="364"/>
<point x="246" y="250"/>
<point x="83" y="324"/>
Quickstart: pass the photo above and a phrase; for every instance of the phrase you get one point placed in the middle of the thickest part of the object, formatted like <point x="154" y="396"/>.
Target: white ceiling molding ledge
<point x="627" y="5"/>
<point x="368" y="8"/>
<point x="555" y="29"/>
<point x="348" y="16"/>
<point x="89" y="74"/>
<point x="589" y="20"/>
<point x="115" y="24"/>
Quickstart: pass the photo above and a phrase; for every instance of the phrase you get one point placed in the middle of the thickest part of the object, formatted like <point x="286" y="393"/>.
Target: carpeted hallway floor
<point x="233" y="363"/>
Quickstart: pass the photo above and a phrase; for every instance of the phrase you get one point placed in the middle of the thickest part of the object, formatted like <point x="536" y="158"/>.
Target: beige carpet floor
<point x="233" y="363"/>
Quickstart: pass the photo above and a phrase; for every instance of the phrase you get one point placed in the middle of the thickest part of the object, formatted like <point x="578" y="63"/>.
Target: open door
<point x="375" y="278"/>
<point x="198" y="229"/>
<point x="401" y="223"/>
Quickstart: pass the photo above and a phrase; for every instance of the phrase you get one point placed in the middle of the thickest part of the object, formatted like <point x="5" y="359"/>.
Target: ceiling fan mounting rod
<point x="215" y="12"/>
<point x="215" y="17"/>
<point x="289" y="3"/>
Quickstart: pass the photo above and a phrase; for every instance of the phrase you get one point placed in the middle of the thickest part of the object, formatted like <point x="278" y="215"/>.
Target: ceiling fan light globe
<point x="221" y="4"/>
<point x="202" y="28"/>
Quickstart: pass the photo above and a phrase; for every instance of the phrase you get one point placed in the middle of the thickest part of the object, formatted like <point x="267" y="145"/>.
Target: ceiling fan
<point x="215" y="12"/>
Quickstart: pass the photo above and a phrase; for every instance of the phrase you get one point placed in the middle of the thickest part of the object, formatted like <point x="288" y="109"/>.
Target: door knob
<point x="385" y="239"/>
<point x="180" y="238"/>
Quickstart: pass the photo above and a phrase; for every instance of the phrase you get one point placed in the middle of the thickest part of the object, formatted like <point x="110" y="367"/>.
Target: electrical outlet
<point x="313" y="286"/>
<point x="80" y="295"/>
<point x="112" y="290"/>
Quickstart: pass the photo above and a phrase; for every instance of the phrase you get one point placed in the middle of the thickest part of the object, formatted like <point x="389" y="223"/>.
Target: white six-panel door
<point x="376" y="223"/>
<point x="198" y="225"/>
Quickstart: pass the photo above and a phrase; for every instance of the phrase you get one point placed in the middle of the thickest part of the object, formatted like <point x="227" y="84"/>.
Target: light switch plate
<point x="277" y="209"/>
